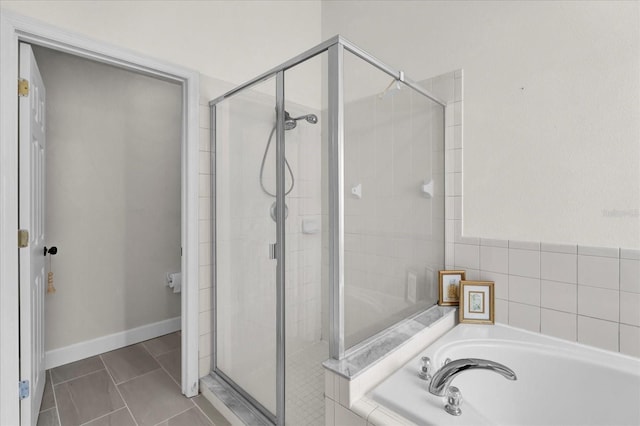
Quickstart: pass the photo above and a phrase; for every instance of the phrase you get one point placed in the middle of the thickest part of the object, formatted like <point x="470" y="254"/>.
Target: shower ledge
<point x="347" y="380"/>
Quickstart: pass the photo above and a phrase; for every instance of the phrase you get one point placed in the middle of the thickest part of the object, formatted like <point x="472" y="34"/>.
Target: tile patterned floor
<point x="133" y="386"/>
<point x="305" y="385"/>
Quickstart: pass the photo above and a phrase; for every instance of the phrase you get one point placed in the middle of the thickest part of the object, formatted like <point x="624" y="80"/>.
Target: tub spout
<point x="443" y="377"/>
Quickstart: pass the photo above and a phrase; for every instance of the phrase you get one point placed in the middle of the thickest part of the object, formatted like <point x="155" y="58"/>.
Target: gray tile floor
<point x="134" y="385"/>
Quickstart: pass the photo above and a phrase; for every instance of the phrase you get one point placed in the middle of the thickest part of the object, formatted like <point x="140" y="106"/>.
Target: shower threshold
<point x="229" y="402"/>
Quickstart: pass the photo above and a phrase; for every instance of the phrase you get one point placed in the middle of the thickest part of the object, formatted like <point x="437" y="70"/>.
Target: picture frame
<point x="477" y="302"/>
<point x="449" y="287"/>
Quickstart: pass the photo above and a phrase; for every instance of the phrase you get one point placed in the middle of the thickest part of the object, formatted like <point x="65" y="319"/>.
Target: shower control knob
<point x="454" y="399"/>
<point x="425" y="366"/>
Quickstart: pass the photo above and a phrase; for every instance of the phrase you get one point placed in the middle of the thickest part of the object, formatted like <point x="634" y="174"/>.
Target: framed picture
<point x="450" y="287"/>
<point x="477" y="302"/>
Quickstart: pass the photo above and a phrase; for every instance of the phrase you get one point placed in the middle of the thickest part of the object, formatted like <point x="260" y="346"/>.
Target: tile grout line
<point x="577" y="288"/>
<point x="202" y="411"/>
<point x="170" y="376"/>
<point x="104" y="415"/>
<point x="619" y="303"/>
<point x="78" y="377"/>
<point x="161" y="353"/>
<point x="119" y="393"/>
<point x="135" y="377"/>
<point x="175" y="415"/>
<point x="55" y="399"/>
<point x="540" y="294"/>
<point x="138" y="376"/>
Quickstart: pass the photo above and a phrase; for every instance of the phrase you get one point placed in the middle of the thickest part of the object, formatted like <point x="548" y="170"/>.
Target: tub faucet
<point x="443" y="377"/>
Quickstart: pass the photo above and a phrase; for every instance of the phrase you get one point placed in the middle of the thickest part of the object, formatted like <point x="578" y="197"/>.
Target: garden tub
<point x="558" y="382"/>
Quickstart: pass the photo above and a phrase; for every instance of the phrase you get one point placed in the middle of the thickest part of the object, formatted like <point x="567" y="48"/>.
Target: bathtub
<point x="559" y="382"/>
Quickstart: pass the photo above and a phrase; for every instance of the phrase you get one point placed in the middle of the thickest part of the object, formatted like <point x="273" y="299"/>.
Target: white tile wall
<point x="598" y="303"/>
<point x="494" y="259"/>
<point x="524" y="290"/>
<point x="559" y="248"/>
<point x="525" y="263"/>
<point x="205" y="258"/>
<point x="630" y="340"/>
<point x="501" y="283"/>
<point x="558" y="324"/>
<point x="599" y="251"/>
<point x="524" y="316"/>
<point x="502" y="311"/>
<point x="467" y="256"/>
<point x="346" y="417"/>
<point x="599" y="333"/>
<point x="524" y="245"/>
<point x="558" y="267"/>
<point x="584" y="293"/>
<point x="630" y="308"/>
<point x="599" y="271"/>
<point x="559" y="296"/>
<point x="630" y="275"/>
<point x="586" y="297"/>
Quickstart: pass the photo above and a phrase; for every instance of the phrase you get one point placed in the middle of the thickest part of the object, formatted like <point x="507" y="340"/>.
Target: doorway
<point x="17" y="29"/>
<point x="112" y="203"/>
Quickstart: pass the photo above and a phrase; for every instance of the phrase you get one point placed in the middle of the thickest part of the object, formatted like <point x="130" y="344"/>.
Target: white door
<point x="31" y="218"/>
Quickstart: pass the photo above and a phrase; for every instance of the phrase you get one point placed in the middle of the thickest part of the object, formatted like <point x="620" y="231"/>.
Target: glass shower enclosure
<point x="329" y="220"/>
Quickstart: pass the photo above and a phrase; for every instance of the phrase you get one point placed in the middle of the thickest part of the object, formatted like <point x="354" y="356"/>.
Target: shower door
<point x="334" y="224"/>
<point x="246" y="288"/>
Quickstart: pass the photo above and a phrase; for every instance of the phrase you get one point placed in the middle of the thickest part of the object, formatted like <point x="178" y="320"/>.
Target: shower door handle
<point x="272" y="251"/>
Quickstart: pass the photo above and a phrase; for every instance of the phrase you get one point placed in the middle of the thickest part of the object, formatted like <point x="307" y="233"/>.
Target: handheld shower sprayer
<point x="290" y="123"/>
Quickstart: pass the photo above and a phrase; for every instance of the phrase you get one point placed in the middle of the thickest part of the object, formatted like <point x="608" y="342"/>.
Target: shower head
<point x="291" y="122"/>
<point x="393" y="88"/>
<point x="311" y="118"/>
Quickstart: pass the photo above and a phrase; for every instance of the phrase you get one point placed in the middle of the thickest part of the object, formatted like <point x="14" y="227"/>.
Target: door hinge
<point x="273" y="254"/>
<point x="23" y="385"/>
<point x="23" y="238"/>
<point x="23" y="87"/>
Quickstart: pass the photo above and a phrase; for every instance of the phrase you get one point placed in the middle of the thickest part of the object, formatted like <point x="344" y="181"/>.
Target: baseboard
<point x="86" y="349"/>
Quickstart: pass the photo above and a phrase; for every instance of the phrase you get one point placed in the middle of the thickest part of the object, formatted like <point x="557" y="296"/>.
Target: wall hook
<point x="427" y="188"/>
<point x="357" y="191"/>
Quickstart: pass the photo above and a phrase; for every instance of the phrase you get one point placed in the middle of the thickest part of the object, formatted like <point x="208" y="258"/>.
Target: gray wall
<point x="113" y="197"/>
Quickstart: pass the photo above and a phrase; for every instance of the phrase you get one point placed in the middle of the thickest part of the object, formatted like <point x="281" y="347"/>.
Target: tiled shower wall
<point x="303" y="249"/>
<point x="205" y="237"/>
<point x="586" y="294"/>
<point x="393" y="231"/>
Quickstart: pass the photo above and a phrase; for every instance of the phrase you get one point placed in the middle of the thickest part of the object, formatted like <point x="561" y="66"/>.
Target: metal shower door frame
<point x="335" y="47"/>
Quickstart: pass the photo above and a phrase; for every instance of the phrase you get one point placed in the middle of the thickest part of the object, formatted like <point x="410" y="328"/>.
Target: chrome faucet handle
<point x="425" y="369"/>
<point x="454" y="399"/>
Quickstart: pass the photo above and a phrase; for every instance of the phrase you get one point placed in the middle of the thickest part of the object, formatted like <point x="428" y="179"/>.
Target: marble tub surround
<point x="378" y="347"/>
<point x="347" y="381"/>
